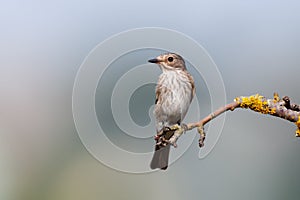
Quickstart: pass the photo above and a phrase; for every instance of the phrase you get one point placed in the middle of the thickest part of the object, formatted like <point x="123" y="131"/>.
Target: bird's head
<point x="169" y="61"/>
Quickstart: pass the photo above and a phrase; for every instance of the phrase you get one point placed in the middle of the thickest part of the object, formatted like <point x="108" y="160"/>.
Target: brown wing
<point x="157" y="94"/>
<point x="159" y="91"/>
<point x="191" y="80"/>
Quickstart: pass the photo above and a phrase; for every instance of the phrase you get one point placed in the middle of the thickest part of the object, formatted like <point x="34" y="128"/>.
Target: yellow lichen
<point x="298" y="122"/>
<point x="297" y="133"/>
<point x="257" y="103"/>
<point x="276" y="97"/>
<point x="298" y="125"/>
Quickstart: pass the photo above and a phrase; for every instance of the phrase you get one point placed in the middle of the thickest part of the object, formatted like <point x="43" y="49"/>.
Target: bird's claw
<point x="172" y="141"/>
<point x="162" y="141"/>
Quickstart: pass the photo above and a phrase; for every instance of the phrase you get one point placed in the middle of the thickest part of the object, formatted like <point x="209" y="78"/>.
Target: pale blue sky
<point x="255" y="45"/>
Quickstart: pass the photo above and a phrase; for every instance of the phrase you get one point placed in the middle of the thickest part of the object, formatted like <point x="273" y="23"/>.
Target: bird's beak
<point x="154" y="60"/>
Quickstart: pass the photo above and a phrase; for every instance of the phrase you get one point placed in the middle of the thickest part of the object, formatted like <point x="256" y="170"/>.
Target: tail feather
<point x="161" y="157"/>
<point x="161" y="154"/>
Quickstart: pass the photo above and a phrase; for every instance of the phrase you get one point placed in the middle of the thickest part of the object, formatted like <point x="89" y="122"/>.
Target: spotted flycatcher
<point x="174" y="92"/>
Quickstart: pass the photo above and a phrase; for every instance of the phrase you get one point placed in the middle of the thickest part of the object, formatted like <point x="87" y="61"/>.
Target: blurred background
<point x="43" y="43"/>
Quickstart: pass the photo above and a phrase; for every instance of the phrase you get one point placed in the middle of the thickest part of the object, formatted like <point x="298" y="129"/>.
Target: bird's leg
<point x="162" y="135"/>
<point x="166" y="129"/>
<point x="162" y="132"/>
<point x="163" y="139"/>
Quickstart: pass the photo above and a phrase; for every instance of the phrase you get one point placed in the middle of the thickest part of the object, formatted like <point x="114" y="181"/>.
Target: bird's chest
<point x="175" y="92"/>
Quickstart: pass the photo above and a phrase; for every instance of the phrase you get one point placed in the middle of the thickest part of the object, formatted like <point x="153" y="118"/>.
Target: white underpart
<point x="175" y="100"/>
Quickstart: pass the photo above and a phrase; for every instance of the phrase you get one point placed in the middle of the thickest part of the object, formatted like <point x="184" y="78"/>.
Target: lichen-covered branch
<point x="276" y="107"/>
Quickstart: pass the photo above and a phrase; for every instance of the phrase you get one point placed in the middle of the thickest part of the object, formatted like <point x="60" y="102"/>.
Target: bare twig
<point x="276" y="107"/>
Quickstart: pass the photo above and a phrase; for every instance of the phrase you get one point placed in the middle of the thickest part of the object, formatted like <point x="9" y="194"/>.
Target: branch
<point x="277" y="107"/>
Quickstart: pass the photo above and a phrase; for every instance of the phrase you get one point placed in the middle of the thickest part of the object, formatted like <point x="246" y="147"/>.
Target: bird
<point x="174" y="93"/>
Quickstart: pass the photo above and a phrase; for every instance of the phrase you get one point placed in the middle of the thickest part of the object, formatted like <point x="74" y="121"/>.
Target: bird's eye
<point x="170" y="59"/>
